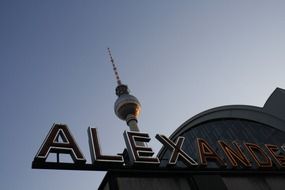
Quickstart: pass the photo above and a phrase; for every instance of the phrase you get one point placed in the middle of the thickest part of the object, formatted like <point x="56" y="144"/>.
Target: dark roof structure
<point x="234" y="123"/>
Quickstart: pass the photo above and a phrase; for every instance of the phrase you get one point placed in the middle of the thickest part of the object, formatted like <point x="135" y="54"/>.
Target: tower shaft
<point x="132" y="123"/>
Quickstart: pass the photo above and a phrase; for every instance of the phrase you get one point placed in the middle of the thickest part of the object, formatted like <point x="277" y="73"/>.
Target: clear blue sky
<point x="178" y="57"/>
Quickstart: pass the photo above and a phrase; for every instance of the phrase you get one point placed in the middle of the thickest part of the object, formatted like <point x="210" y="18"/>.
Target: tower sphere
<point x="125" y="105"/>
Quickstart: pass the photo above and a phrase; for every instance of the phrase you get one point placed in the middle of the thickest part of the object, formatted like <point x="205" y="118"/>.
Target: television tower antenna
<point x="126" y="107"/>
<point x="114" y="68"/>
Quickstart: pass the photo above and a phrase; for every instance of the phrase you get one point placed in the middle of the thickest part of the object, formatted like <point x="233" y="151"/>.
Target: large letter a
<point x="67" y="146"/>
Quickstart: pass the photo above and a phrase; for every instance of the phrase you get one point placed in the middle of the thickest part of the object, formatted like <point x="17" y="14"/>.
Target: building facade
<point x="235" y="147"/>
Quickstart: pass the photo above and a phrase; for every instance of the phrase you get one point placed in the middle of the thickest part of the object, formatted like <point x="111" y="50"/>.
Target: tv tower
<point x="126" y="107"/>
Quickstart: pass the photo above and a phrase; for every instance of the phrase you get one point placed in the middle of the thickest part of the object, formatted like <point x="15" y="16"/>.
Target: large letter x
<point x="177" y="151"/>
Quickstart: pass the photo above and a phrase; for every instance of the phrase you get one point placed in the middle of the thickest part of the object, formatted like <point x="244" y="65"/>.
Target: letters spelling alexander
<point x="235" y="155"/>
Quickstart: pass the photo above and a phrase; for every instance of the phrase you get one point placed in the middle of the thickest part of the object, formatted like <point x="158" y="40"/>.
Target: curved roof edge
<point x="266" y="115"/>
<point x="233" y="111"/>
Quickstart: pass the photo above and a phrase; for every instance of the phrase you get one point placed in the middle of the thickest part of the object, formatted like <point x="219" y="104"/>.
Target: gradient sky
<point x="178" y="58"/>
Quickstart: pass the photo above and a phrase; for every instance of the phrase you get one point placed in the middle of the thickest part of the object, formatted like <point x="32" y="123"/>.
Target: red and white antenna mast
<point x="114" y="68"/>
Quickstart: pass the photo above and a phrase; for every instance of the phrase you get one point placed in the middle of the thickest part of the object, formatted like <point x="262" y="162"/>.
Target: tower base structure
<point x="196" y="181"/>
